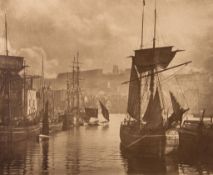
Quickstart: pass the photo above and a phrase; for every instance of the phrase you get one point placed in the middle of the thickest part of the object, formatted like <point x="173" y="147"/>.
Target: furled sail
<point x="134" y="95"/>
<point x="175" y="104"/>
<point x="91" y="112"/>
<point x="11" y="63"/>
<point x="178" y="111"/>
<point x="145" y="61"/>
<point x="153" y="114"/>
<point x="104" y="111"/>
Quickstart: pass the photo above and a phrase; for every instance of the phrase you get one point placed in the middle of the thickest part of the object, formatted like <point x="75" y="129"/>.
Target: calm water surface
<point x="87" y="150"/>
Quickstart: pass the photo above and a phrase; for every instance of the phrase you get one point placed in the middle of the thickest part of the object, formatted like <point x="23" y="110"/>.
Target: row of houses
<point x="95" y="84"/>
<point x="108" y="87"/>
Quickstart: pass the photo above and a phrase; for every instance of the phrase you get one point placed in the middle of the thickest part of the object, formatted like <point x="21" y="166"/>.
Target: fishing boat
<point x="19" y="119"/>
<point x="196" y="136"/>
<point x="208" y="137"/>
<point x="144" y="129"/>
<point x="91" y="117"/>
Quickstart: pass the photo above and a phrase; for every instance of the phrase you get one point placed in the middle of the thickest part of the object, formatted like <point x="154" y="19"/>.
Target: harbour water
<point x="91" y="150"/>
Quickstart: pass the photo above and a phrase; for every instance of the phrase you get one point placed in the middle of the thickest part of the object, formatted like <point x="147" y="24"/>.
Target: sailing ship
<point x="68" y="113"/>
<point x="92" y="113"/>
<point x="18" y="114"/>
<point x="144" y="129"/>
<point x="73" y="115"/>
<point x="51" y="123"/>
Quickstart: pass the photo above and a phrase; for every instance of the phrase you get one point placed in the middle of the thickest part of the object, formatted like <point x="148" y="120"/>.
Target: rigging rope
<point x="182" y="92"/>
<point x="172" y="76"/>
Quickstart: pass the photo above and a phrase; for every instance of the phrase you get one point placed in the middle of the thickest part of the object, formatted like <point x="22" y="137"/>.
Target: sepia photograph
<point x="106" y="87"/>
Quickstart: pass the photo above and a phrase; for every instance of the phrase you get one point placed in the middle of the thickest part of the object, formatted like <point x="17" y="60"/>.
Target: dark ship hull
<point x="196" y="137"/>
<point x="67" y="121"/>
<point x="17" y="134"/>
<point x="190" y="136"/>
<point x="146" y="143"/>
<point x="93" y="124"/>
<point x="56" y="127"/>
<point x="208" y="139"/>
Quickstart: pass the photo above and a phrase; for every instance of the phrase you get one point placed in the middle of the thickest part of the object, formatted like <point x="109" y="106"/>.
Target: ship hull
<point x="189" y="141"/>
<point x="56" y="127"/>
<point x="191" y="137"/>
<point x="17" y="134"/>
<point x="93" y="123"/>
<point x="67" y="121"/>
<point x="145" y="144"/>
<point x="208" y="140"/>
<point x="197" y="140"/>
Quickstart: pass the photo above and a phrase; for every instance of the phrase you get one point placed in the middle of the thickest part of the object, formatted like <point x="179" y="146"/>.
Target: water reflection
<point x="72" y="149"/>
<point x="93" y="150"/>
<point x="45" y="151"/>
<point x="145" y="165"/>
<point x="194" y="163"/>
<point x="105" y="127"/>
<point x="178" y="163"/>
<point x="13" y="158"/>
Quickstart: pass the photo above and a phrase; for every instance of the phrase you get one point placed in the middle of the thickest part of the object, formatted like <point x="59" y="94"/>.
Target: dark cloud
<point x="104" y="32"/>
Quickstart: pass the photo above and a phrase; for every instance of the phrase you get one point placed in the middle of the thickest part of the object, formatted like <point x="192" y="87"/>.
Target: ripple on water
<point x="87" y="150"/>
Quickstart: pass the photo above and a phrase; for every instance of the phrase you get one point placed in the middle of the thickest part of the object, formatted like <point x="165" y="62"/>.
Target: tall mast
<point x="6" y="42"/>
<point x="73" y="73"/>
<point x="42" y="71"/>
<point x="8" y="75"/>
<point x="42" y="74"/>
<point x="78" y="89"/>
<point x="73" y="83"/>
<point x="154" y="43"/>
<point x="68" y="93"/>
<point x="141" y="47"/>
<point x="155" y="21"/>
<point x="24" y="108"/>
<point x="9" y="98"/>
<point x="140" y="80"/>
<point x="53" y="99"/>
<point x="142" y="24"/>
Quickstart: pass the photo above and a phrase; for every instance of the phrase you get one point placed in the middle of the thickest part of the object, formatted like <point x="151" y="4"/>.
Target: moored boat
<point x="144" y="129"/>
<point x="19" y="118"/>
<point x="196" y="136"/>
<point x="91" y="116"/>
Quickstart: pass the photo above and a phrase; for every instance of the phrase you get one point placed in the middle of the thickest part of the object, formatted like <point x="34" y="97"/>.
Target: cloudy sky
<point x="105" y="32"/>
